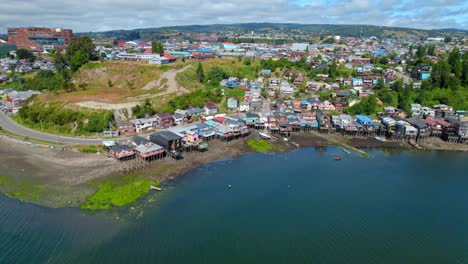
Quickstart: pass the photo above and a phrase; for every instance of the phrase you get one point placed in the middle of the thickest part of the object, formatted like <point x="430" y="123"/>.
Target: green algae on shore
<point x="22" y="190"/>
<point x="259" y="145"/>
<point x="120" y="193"/>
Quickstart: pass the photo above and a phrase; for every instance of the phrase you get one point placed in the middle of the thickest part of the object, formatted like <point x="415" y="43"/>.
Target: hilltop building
<point x="35" y="38"/>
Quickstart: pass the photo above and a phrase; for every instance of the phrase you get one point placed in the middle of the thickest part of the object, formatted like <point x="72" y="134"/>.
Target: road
<point x="10" y="125"/>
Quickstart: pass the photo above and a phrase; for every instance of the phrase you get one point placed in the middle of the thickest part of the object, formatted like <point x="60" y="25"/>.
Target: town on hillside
<point x="407" y="89"/>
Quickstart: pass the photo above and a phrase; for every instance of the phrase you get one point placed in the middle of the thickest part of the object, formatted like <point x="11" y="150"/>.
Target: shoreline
<point x="55" y="178"/>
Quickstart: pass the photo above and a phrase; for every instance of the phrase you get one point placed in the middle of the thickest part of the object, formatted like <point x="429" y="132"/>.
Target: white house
<point x="143" y="124"/>
<point x="244" y="107"/>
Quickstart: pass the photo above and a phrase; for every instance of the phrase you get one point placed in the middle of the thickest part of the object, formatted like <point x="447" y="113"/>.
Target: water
<point x="297" y="207"/>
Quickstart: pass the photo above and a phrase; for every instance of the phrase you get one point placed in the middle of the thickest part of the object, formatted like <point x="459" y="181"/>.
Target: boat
<point x="381" y="139"/>
<point x="295" y="143"/>
<point x="155" y="188"/>
<point x="345" y="151"/>
<point x="337" y="158"/>
<point x="264" y="136"/>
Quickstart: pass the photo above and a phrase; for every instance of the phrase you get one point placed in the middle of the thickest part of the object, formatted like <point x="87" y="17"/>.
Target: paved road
<point x="10" y="125"/>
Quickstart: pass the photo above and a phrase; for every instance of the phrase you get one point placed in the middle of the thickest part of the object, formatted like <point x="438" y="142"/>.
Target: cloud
<point x="100" y="15"/>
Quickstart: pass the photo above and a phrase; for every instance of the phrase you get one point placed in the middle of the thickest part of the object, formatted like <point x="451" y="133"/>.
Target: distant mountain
<point x="287" y="30"/>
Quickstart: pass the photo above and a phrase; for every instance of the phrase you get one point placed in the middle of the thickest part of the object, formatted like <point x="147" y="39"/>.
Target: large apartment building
<point x="35" y="38"/>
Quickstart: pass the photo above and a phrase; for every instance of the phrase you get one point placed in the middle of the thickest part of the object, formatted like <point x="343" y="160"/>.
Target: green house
<point x="232" y="103"/>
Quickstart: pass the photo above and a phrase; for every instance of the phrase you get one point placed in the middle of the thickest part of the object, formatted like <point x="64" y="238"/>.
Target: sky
<point x="103" y="15"/>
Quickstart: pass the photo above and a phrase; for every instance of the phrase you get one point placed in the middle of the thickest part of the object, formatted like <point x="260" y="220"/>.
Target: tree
<point x="380" y="85"/>
<point x="216" y="75"/>
<point x="200" y="73"/>
<point x="157" y="47"/>
<point x="431" y="50"/>
<point x="332" y="70"/>
<point x="383" y="61"/>
<point x="420" y="51"/>
<point x="440" y="74"/>
<point x="80" y="51"/>
<point x="448" y="39"/>
<point x="78" y="59"/>
<point x="23" y="54"/>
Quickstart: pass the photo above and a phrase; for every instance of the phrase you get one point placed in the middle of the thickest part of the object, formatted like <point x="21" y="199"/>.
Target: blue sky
<point x="101" y="15"/>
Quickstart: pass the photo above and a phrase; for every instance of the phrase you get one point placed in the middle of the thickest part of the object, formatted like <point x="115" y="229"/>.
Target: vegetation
<point x="24" y="54"/>
<point x="157" y="47"/>
<point x="259" y="145"/>
<point x="112" y="194"/>
<point x="56" y="119"/>
<point x="21" y="190"/>
<point x="90" y="148"/>
<point x="144" y="110"/>
<point x="80" y="51"/>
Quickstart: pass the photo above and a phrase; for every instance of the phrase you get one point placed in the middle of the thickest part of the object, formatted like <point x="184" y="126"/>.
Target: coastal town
<point x="299" y="87"/>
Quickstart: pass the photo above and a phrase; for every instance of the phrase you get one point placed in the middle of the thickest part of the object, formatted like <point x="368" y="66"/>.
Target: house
<point x="326" y="106"/>
<point x="232" y="103"/>
<point x="463" y="129"/>
<point x="149" y="150"/>
<point x="167" y="139"/>
<point x="244" y="107"/>
<point x="143" y="124"/>
<point x="418" y="123"/>
<point x="189" y="133"/>
<point x="265" y="72"/>
<point x="416" y="109"/>
<point x="210" y="108"/>
<point x="194" y="111"/>
<point x="125" y="128"/>
<point x="165" y="119"/>
<point x="121" y="151"/>
<point x="180" y="116"/>
<point x="390" y="110"/>
<point x="421" y="72"/>
<point x="323" y="121"/>
<point x="205" y="131"/>
<point x="251" y="118"/>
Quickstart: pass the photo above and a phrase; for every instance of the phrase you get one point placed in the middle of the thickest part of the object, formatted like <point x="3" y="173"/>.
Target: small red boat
<point x="337" y="158"/>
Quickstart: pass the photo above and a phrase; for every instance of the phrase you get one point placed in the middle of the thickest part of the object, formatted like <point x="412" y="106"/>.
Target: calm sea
<point x="296" y="207"/>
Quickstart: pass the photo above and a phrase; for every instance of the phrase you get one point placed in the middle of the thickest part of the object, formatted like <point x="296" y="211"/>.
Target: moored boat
<point x="264" y="136"/>
<point x="381" y="139"/>
<point x="155" y="188"/>
<point x="337" y="158"/>
<point x="345" y="151"/>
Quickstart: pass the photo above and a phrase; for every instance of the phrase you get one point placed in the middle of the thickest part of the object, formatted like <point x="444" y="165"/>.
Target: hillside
<point x="118" y="84"/>
<point x="280" y="28"/>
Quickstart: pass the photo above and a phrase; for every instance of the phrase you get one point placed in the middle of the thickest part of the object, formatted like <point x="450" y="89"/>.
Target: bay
<point x="295" y="207"/>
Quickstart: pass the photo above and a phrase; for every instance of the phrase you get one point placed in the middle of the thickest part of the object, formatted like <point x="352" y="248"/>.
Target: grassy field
<point x="113" y="194"/>
<point x="260" y="145"/>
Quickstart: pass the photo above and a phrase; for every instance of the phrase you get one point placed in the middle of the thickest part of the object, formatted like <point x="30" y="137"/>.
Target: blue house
<point x="357" y="81"/>
<point x="380" y="53"/>
<point x="364" y="121"/>
<point x="266" y="72"/>
<point x="231" y="84"/>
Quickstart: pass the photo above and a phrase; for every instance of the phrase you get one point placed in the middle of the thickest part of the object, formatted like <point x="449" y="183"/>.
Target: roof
<point x="165" y="116"/>
<point x="119" y="148"/>
<point x="210" y="105"/>
<point x="149" y="147"/>
<point x="166" y="135"/>
<point x="417" y="122"/>
<point x="139" y="140"/>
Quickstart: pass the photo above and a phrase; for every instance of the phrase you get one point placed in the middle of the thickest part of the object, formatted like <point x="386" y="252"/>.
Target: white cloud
<point x="99" y="15"/>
